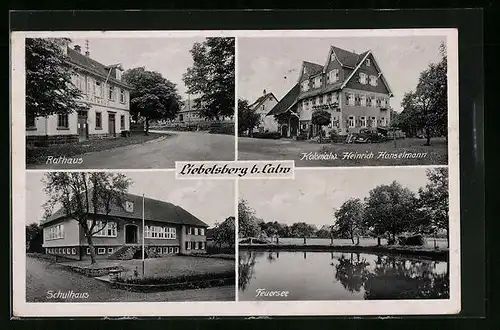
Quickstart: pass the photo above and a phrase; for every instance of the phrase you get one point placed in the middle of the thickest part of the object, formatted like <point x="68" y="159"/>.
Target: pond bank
<point x="440" y="254"/>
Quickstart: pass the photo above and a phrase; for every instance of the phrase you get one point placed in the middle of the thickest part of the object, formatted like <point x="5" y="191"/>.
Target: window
<point x="333" y="76"/>
<point x="98" y="120"/>
<point x="200" y="245"/>
<point x="118" y="74"/>
<point x="326" y="99"/>
<point x="55" y="232"/>
<point x="160" y="232"/>
<point x="195" y="245"/>
<point x="363" y="100"/>
<point x="373" y="80"/>
<point x="374" y="121"/>
<point x="176" y="249"/>
<point x="305" y="85"/>
<point x="335" y="97"/>
<point x="357" y="100"/>
<point x="103" y="229"/>
<point x="369" y="101"/>
<point x="101" y="250"/>
<point x="62" y="120"/>
<point x="382" y="121"/>
<point x="122" y="121"/>
<point x="316" y="100"/>
<point x="111" y="93"/>
<point x="202" y="231"/>
<point x="362" y="78"/>
<point x="332" y="57"/>
<point x="352" y="122"/>
<point x="363" y="121"/>
<point x="367" y="62"/>
<point x="73" y="250"/>
<point x="188" y="245"/>
<point x="383" y="103"/>
<point x="188" y="230"/>
<point x="88" y="250"/>
<point x="317" y="82"/>
<point x="349" y="100"/>
<point x="122" y="96"/>
<point x="80" y="83"/>
<point x="165" y="250"/>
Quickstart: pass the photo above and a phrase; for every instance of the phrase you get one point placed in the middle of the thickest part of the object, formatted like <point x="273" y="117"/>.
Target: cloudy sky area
<point x="273" y="63"/>
<point x="313" y="195"/>
<point x="210" y="200"/>
<point x="168" y="56"/>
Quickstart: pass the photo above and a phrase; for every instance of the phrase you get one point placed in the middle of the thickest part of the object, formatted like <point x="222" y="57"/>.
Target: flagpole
<point x="142" y="235"/>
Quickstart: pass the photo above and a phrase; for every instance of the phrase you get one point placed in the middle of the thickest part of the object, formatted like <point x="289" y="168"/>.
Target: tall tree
<point x="390" y="210"/>
<point x="435" y="200"/>
<point x="83" y="196"/>
<point x="321" y="118"/>
<point x="427" y="106"/>
<point x="49" y="88"/>
<point x="152" y="97"/>
<point x="247" y="222"/>
<point x="224" y="233"/>
<point x="302" y="229"/>
<point x="350" y="219"/>
<point x="247" y="119"/>
<point x="34" y="238"/>
<point x="212" y="76"/>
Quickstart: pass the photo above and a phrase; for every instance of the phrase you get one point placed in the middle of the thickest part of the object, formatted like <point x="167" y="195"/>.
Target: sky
<point x="313" y="194"/>
<point x="168" y="56"/>
<point x="210" y="200"/>
<point x="273" y="63"/>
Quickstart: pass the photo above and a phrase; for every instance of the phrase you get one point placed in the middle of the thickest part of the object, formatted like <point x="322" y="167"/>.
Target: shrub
<point x="221" y="128"/>
<point x="177" y="279"/>
<point x="267" y="135"/>
<point x="416" y="240"/>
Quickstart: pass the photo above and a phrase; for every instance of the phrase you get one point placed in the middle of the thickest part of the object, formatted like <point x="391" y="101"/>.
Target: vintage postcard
<point x="366" y="100"/>
<point x="235" y="173"/>
<point x="128" y="102"/>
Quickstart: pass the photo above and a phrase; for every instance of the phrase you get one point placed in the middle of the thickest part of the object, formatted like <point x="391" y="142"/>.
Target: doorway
<point x="111" y="124"/>
<point x="82" y="126"/>
<point x="130" y="234"/>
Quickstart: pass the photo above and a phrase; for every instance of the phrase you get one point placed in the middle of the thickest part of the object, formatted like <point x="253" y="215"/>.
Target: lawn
<point x="312" y="154"/>
<point x="38" y="155"/>
<point x="441" y="242"/>
<point x="170" y="266"/>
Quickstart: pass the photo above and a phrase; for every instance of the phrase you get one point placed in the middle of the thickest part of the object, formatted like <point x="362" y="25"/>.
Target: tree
<point x="321" y="118"/>
<point x="247" y="118"/>
<point x="434" y="199"/>
<point x="302" y="229"/>
<point x="85" y="195"/>
<point x="49" y="88"/>
<point x="350" y="219"/>
<point x="224" y="233"/>
<point x="390" y="210"/>
<point x="247" y="222"/>
<point x="212" y="77"/>
<point x="153" y="97"/>
<point x="427" y="107"/>
<point x="34" y="238"/>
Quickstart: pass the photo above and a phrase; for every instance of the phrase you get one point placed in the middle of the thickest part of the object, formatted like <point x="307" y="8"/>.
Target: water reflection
<point x="335" y="275"/>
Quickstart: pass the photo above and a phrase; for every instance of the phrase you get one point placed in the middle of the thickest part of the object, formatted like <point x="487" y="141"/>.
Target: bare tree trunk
<point x="92" y="249"/>
<point x="357" y="242"/>
<point x="428" y="136"/>
<point x="352" y="239"/>
<point x="378" y="241"/>
<point x="146" y="131"/>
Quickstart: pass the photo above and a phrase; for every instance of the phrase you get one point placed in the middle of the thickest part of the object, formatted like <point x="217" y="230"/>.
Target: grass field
<point x="441" y="242"/>
<point x="170" y="266"/>
<point x="38" y="155"/>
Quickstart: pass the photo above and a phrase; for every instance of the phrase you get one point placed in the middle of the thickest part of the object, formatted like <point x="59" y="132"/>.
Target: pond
<point x="339" y="276"/>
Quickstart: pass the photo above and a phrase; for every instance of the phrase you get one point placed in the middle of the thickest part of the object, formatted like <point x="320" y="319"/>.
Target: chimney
<point x="264" y="92"/>
<point x="87" y="52"/>
<point x="78" y="48"/>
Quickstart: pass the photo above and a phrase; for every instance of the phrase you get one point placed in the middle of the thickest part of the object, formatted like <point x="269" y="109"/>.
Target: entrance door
<point x="130" y="234"/>
<point x="82" y="126"/>
<point x="111" y="124"/>
<point x="294" y="126"/>
<point x="284" y="131"/>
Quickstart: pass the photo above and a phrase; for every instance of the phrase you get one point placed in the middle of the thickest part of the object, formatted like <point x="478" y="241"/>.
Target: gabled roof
<point x="346" y="58"/>
<point x="286" y="102"/>
<point x="154" y="210"/>
<point x="261" y="100"/>
<point x="94" y="67"/>
<point x="311" y="68"/>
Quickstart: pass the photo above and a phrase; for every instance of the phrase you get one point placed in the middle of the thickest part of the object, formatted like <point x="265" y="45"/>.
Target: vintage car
<point x="369" y="136"/>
